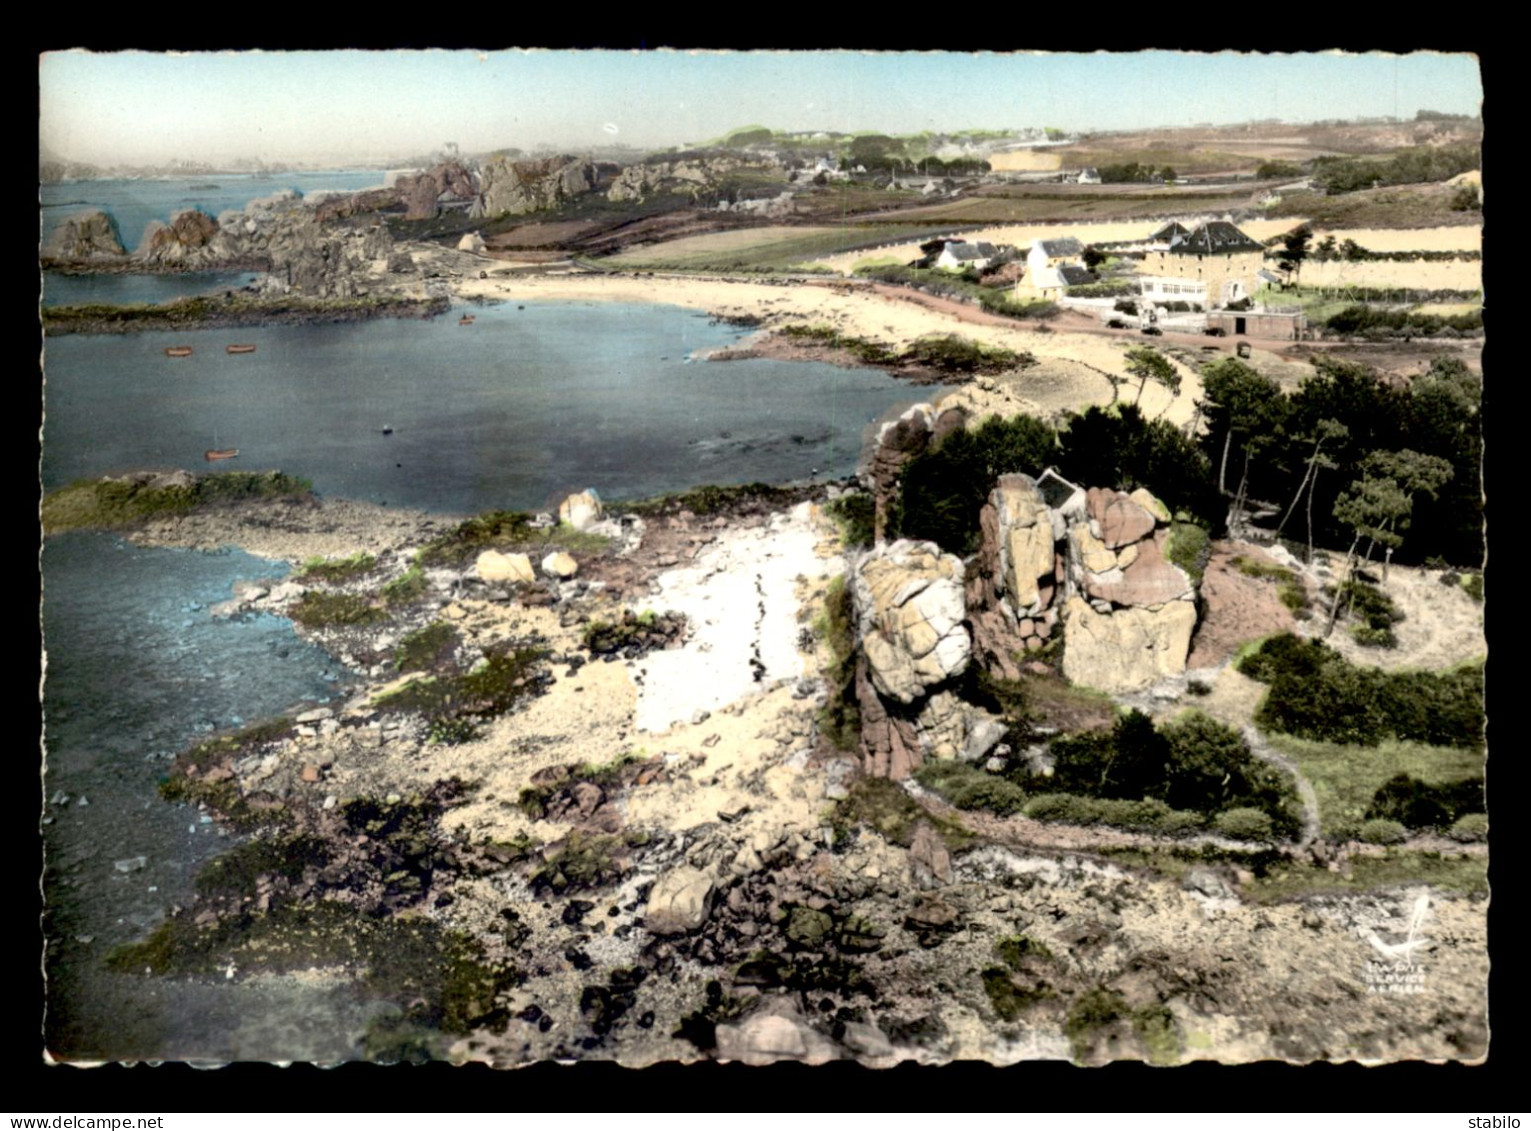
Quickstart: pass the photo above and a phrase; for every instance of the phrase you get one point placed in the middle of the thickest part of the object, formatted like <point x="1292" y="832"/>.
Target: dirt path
<point x="1305" y="792"/>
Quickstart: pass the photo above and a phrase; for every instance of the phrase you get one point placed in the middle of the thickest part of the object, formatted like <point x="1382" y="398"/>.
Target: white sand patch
<point x="741" y="599"/>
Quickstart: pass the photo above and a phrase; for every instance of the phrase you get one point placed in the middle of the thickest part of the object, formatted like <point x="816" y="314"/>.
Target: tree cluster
<point x="1364" y="463"/>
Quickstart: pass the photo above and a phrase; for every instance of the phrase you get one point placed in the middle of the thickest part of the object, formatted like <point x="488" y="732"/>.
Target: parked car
<point x="1116" y="324"/>
<point x="1215" y="332"/>
<point x="1153" y="331"/>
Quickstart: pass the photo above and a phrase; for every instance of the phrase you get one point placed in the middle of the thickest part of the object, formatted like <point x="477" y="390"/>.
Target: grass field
<point x="1401" y="206"/>
<point x="1030" y="207"/>
<point x="1291" y="880"/>
<point x="1346" y="777"/>
<point x="1443" y="275"/>
<point x="1459" y="237"/>
<point x="777" y="248"/>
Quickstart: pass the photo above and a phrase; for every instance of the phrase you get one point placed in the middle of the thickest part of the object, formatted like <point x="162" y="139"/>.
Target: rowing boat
<point x="240" y="349"/>
<point x="177" y="351"/>
<point x="220" y="453"/>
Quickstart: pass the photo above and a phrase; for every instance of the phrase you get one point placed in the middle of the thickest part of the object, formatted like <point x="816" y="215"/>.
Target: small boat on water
<point x="177" y="351"/>
<point x="388" y="430"/>
<point x="465" y="320"/>
<point x="240" y="349"/>
<point x="220" y="453"/>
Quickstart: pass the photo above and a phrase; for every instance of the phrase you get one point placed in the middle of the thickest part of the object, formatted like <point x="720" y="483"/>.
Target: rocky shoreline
<point x="588" y="848"/>
<point x="777" y="346"/>
<point x="209" y="314"/>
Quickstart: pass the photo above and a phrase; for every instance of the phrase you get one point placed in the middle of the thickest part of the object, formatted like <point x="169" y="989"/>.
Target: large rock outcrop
<point x="517" y="187"/>
<point x="422" y="193"/>
<point x="910" y="614"/>
<point x="1091" y="561"/>
<point x="419" y="194"/>
<point x="90" y="234"/>
<point x="692" y="177"/>
<point x="280" y="234"/>
<point x="188" y="238"/>
<point x="1126" y="649"/>
<point x="910" y="611"/>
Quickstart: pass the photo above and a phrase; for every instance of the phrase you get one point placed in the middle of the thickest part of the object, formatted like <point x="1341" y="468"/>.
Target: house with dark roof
<point x="959" y="254"/>
<point x="1166" y="236"/>
<point x="1216" y="237"/>
<point x="1216" y="254"/>
<point x="1075" y="276"/>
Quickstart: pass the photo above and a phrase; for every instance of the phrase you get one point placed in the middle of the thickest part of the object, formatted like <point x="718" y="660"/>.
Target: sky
<point x="139" y="107"/>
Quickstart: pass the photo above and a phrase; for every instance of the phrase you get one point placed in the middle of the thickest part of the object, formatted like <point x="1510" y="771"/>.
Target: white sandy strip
<point x="741" y="598"/>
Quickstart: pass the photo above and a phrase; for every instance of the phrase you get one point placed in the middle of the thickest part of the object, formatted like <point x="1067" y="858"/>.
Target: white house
<point x="1088" y="177"/>
<point x="959" y="254"/>
<point x="1052" y="253"/>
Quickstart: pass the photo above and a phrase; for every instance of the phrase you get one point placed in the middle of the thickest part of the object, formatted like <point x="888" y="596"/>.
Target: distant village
<point x="1200" y="279"/>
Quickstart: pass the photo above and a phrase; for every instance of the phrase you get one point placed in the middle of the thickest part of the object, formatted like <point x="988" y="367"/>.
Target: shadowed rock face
<point x="84" y="235"/>
<point x="421" y="193"/>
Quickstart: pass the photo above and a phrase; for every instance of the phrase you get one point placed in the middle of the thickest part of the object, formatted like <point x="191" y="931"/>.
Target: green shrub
<point x="1316" y="694"/>
<point x="1417" y="804"/>
<point x="1015" y="949"/>
<point x="1367" y="636"/>
<point x="1009" y="999"/>
<point x="1383" y="832"/>
<point x="855" y="516"/>
<point x="1472" y="584"/>
<point x="968" y="787"/>
<point x="1188" y="546"/>
<point x="1470" y="829"/>
<point x="1243" y="824"/>
<point x="1148" y="815"/>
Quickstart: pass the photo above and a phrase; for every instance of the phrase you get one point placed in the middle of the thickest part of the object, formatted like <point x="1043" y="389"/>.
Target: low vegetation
<point x="109" y="504"/>
<point x="426" y="649"/>
<point x="855" y="517"/>
<point x="1315" y="693"/>
<point x="1289" y="587"/>
<point x="442" y="978"/>
<point x="714" y="500"/>
<point x="882" y="806"/>
<point x="947" y="354"/>
<point x="840" y="717"/>
<point x="234" y="309"/>
<point x="456" y="704"/>
<point x="996" y="300"/>
<point x="1426" y="786"/>
<point x="337" y="569"/>
<point x="321" y="609"/>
